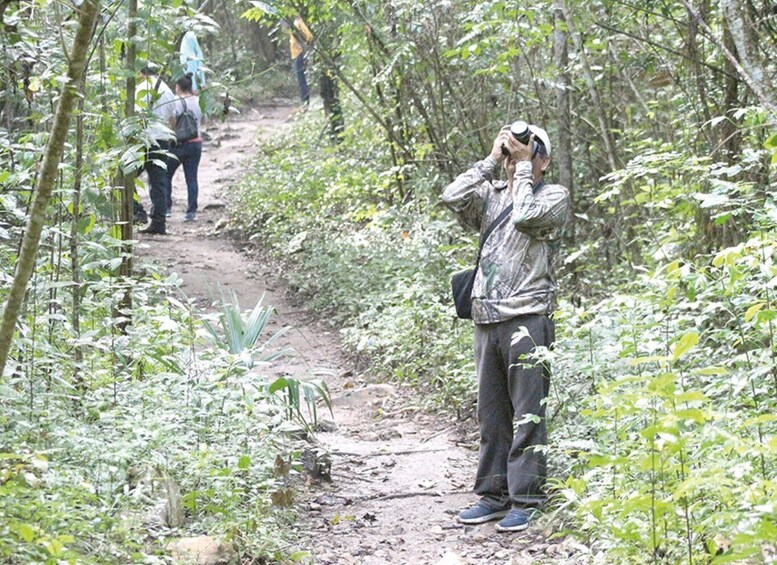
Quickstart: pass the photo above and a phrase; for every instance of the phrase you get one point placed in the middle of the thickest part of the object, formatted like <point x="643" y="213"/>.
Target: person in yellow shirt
<point x="299" y="40"/>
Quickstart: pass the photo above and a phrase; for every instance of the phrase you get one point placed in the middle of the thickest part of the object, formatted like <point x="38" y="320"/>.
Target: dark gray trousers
<point x="512" y="387"/>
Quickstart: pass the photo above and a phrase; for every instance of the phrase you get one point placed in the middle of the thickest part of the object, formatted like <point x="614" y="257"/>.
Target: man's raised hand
<point x="519" y="151"/>
<point x="501" y="141"/>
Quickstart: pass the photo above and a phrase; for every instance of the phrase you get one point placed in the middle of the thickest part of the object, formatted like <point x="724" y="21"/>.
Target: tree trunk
<point x="604" y="130"/>
<point x="761" y="92"/>
<point x="693" y="55"/>
<point x="75" y="268"/>
<point x="563" y="155"/>
<point x="53" y="156"/>
<point x="263" y="44"/>
<point x="331" y="97"/>
<point x="128" y="179"/>
<point x="729" y="132"/>
<point x="746" y="47"/>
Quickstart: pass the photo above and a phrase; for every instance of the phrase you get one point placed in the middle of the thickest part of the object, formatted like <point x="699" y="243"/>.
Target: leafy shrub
<point x="380" y="271"/>
<point x="152" y="403"/>
<point x="664" y="382"/>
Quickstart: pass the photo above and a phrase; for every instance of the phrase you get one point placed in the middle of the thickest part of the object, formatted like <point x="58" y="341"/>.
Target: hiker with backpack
<point x="187" y="148"/>
<point x="154" y="101"/>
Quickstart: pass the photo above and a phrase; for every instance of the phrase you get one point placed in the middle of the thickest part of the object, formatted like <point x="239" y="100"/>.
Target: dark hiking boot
<point x="155" y="227"/>
<point x="140" y="217"/>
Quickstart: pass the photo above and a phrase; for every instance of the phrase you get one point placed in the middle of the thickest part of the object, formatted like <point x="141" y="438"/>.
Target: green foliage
<point x="665" y="367"/>
<point x="240" y="340"/>
<point x="240" y="336"/>
<point x="677" y="397"/>
<point x="154" y="404"/>
<point x="377" y="270"/>
<point x="111" y="380"/>
<point x="294" y="392"/>
<point x="664" y="387"/>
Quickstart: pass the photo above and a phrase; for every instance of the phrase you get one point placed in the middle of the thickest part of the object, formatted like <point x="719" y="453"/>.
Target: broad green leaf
<point x="650" y="359"/>
<point x="662" y="384"/>
<point x="691" y="396"/>
<point x="766" y="315"/>
<point x="727" y="256"/>
<point x="697" y="415"/>
<point x="86" y="223"/>
<point x="762" y="419"/>
<point x="753" y="310"/>
<point x="712" y="200"/>
<point x="711" y="371"/>
<point x="55" y="547"/>
<point x="277" y="385"/>
<point x="26" y="532"/>
<point x="673" y="266"/>
<point x="685" y="344"/>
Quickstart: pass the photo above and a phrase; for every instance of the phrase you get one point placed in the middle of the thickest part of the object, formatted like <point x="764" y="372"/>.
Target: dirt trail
<point x="398" y="475"/>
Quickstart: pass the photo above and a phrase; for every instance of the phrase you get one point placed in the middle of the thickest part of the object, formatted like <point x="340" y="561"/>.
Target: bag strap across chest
<point x="499" y="219"/>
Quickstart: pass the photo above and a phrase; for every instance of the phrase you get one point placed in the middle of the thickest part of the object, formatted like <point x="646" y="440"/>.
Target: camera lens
<point x="521" y="131"/>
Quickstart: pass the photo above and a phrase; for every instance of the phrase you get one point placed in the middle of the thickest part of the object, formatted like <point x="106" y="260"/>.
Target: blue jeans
<point x="302" y="82"/>
<point x="188" y="154"/>
<point x="158" y="179"/>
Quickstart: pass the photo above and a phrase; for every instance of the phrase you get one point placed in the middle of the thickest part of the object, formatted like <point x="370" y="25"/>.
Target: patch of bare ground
<point x="398" y="475"/>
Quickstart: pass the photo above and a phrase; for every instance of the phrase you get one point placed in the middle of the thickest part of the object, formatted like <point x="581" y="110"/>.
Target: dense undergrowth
<point x="375" y="270"/>
<point x="663" y="398"/>
<point x="166" y="430"/>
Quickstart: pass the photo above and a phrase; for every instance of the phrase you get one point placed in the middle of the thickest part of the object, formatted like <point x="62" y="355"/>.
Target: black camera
<point x="520" y="131"/>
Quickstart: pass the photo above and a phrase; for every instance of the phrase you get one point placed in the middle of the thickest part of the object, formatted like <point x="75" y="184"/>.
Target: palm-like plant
<point x="240" y="336"/>
<point x="294" y="391"/>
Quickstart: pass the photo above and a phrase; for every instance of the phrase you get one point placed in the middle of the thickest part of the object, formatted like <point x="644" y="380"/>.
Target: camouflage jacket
<point x="516" y="272"/>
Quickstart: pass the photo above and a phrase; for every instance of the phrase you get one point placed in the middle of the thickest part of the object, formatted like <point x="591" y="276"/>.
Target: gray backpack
<point x="185" y="125"/>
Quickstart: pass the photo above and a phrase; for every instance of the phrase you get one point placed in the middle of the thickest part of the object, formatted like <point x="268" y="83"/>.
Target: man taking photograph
<point x="513" y="297"/>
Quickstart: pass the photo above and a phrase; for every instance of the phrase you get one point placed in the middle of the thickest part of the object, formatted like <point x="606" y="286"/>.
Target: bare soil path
<point x="398" y="475"/>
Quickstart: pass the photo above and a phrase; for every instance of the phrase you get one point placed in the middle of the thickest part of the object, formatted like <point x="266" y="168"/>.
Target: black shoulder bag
<point x="463" y="281"/>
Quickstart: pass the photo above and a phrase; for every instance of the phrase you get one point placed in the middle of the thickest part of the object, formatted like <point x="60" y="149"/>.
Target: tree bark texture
<point x="764" y="96"/>
<point x="593" y="93"/>
<point x="746" y="49"/>
<point x="75" y="267"/>
<point x="48" y="175"/>
<point x="128" y="179"/>
<point x="563" y="155"/>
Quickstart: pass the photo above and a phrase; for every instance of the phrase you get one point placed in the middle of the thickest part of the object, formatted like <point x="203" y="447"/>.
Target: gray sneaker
<point x="190" y="216"/>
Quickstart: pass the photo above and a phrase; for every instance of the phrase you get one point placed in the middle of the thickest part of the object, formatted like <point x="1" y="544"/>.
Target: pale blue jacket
<point x="192" y="59"/>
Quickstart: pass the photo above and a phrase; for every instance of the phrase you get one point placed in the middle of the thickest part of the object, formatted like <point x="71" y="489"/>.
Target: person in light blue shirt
<point x="192" y="60"/>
